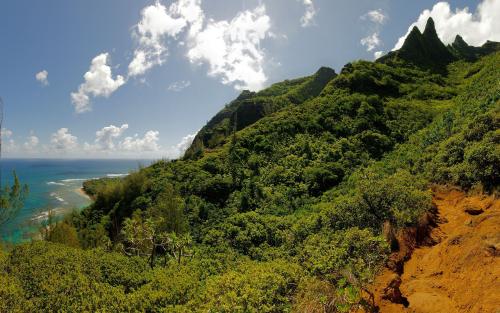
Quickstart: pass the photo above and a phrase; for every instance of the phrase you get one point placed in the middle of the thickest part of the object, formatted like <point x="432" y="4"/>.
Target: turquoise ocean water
<point x="53" y="186"/>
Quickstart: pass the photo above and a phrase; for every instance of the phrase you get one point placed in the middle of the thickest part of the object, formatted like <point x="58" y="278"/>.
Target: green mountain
<point x="289" y="199"/>
<point x="249" y="107"/>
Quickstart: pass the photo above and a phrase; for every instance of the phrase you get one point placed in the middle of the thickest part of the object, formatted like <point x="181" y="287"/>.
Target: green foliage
<point x="252" y="287"/>
<point x="64" y="233"/>
<point x="12" y="199"/>
<point x="333" y="255"/>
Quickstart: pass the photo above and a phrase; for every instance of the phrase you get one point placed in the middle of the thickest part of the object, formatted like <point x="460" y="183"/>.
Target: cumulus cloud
<point x="232" y="48"/>
<point x="157" y="23"/>
<point x="371" y="41"/>
<point x="42" y="77"/>
<point x="106" y="135"/>
<point x="178" y="86"/>
<point x="62" y="140"/>
<point x="179" y="149"/>
<point x="191" y="12"/>
<point x="149" y="142"/>
<point x="308" y="18"/>
<point x="377" y="18"/>
<point x="31" y="143"/>
<point x="98" y="82"/>
<point x="475" y="28"/>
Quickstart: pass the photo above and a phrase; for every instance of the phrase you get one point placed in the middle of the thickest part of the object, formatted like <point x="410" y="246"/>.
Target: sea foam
<point x="55" y="183"/>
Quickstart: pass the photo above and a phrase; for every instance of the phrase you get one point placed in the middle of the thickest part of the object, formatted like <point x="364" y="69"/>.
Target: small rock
<point x="455" y="240"/>
<point x="473" y="210"/>
<point x="437" y="274"/>
<point x="491" y="250"/>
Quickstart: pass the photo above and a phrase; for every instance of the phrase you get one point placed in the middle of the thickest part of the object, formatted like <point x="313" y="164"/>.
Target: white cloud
<point x="140" y="144"/>
<point x="376" y="16"/>
<point x="378" y="54"/>
<point x="371" y="42"/>
<point x="191" y="12"/>
<point x="42" y="77"/>
<point x="62" y="140"/>
<point x="99" y="82"/>
<point x="106" y="135"/>
<point x="183" y="145"/>
<point x="31" y="143"/>
<point x="475" y="28"/>
<point x="232" y="48"/>
<point x="157" y="23"/>
<point x="178" y="86"/>
<point x="308" y="18"/>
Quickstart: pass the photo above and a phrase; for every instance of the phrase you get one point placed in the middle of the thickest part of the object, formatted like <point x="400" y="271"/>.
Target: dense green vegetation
<point x="12" y="199"/>
<point x="281" y="201"/>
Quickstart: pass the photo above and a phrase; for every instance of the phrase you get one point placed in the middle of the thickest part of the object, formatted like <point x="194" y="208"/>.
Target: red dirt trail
<point x="460" y="272"/>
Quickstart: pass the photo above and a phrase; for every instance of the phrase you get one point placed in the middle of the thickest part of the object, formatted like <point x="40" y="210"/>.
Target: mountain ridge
<point x="424" y="50"/>
<point x="427" y="51"/>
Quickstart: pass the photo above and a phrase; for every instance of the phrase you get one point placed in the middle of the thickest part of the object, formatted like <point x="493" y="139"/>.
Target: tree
<point x="12" y="199"/>
<point x="146" y="236"/>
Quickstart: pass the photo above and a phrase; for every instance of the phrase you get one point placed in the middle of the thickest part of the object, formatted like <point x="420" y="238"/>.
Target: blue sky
<point x="137" y="79"/>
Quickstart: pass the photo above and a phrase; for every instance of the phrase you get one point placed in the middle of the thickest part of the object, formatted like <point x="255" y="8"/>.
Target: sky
<point x="138" y="79"/>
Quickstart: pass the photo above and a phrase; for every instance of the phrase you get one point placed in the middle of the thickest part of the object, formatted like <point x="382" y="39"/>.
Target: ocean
<point x="54" y="185"/>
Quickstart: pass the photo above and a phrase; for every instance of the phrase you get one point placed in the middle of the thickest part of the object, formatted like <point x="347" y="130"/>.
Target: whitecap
<point x="116" y="175"/>
<point x="73" y="179"/>
<point x="57" y="197"/>
<point x="68" y="180"/>
<point x="55" y="183"/>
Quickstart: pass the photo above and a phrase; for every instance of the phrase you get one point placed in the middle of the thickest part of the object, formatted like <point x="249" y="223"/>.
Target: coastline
<point x="82" y="193"/>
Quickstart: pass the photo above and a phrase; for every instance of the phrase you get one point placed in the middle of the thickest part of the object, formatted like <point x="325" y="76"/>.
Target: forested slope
<point x="288" y="199"/>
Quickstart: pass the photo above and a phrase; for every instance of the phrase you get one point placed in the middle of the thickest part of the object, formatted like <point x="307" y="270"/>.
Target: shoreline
<point x="82" y="193"/>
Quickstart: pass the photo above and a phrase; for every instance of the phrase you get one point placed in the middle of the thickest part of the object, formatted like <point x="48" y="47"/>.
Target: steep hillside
<point x="249" y="107"/>
<point x="288" y="200"/>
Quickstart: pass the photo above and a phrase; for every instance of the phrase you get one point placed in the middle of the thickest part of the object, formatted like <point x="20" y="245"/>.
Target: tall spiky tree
<point x="11" y="197"/>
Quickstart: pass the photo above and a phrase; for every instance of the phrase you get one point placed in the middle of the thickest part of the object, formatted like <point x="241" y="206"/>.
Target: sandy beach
<point x="82" y="193"/>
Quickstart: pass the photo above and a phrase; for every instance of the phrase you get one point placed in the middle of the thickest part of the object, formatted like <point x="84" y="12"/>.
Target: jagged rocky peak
<point x="426" y="50"/>
<point x="459" y="42"/>
<point x="423" y="49"/>
<point x="430" y="29"/>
